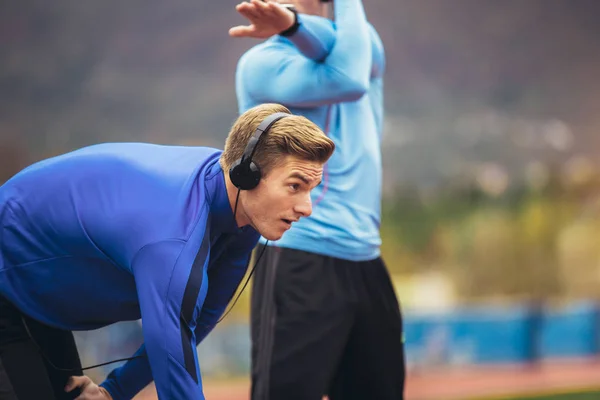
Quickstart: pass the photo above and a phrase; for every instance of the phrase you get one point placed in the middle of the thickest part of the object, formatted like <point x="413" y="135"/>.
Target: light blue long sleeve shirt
<point x="332" y="73"/>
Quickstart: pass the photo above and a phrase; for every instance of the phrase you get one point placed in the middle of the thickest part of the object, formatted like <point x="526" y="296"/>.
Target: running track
<point x="466" y="383"/>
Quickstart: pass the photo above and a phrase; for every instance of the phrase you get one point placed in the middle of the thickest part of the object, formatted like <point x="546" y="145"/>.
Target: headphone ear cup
<point x="244" y="176"/>
<point x="254" y="175"/>
<point x="235" y="173"/>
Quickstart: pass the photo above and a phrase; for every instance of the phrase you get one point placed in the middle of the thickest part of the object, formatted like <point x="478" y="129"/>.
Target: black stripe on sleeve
<point x="190" y="297"/>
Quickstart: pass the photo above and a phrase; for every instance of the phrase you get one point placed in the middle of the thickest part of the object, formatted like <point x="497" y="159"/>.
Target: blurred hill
<point x="474" y="87"/>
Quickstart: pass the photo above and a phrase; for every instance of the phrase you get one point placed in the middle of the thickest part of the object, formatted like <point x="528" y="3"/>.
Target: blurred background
<point x="491" y="210"/>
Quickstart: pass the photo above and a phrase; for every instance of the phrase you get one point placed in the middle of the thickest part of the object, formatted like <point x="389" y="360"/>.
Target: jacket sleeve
<point x="225" y="276"/>
<point x="316" y="36"/>
<point x="126" y="381"/>
<point x="171" y="281"/>
<point x="377" y="54"/>
<point x="279" y="73"/>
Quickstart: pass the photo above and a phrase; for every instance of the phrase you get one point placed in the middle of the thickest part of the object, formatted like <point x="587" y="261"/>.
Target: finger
<point x="243" y="6"/>
<point x="72" y="383"/>
<point x="276" y="9"/>
<point x="270" y="8"/>
<point x="242" y="31"/>
<point x="273" y="6"/>
<point x="77" y="381"/>
<point x="261" y="6"/>
<point x="264" y="13"/>
<point x="245" y="9"/>
<point x="249" y="11"/>
<point x="105" y="393"/>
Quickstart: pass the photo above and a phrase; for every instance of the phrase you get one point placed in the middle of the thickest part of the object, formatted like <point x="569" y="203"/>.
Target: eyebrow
<point x="302" y="178"/>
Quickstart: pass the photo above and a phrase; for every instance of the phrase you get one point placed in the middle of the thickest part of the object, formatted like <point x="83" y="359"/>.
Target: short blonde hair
<point x="294" y="135"/>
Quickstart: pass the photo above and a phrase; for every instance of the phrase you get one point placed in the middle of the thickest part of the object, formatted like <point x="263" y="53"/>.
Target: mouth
<point x="288" y="222"/>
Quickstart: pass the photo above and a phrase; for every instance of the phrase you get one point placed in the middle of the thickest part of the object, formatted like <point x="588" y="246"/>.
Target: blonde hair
<point x="294" y="135"/>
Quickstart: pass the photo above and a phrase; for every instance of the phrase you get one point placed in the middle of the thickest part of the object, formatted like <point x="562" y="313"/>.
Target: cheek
<point x="284" y="201"/>
<point x="271" y="201"/>
<point x="262" y="204"/>
<point x="252" y="205"/>
<point x="273" y="197"/>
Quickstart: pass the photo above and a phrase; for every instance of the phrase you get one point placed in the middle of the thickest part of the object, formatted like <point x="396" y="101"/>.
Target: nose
<point x="304" y="206"/>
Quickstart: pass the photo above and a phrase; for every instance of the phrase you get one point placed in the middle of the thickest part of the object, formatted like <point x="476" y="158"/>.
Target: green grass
<point x="571" y="395"/>
<point x="564" y="396"/>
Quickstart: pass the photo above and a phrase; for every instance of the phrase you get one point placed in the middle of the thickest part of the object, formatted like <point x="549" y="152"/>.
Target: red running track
<point x="458" y="384"/>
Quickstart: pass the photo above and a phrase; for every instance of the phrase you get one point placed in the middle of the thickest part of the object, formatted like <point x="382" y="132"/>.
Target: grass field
<point x="572" y="395"/>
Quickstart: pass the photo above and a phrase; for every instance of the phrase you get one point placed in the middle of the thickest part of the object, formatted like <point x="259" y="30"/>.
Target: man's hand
<point x="266" y="19"/>
<point x="89" y="390"/>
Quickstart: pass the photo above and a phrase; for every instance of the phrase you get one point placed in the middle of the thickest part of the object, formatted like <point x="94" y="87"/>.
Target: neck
<point x="241" y="219"/>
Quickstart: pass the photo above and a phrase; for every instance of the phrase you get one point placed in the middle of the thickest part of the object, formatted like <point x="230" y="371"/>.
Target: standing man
<point x="123" y="231"/>
<point x="325" y="318"/>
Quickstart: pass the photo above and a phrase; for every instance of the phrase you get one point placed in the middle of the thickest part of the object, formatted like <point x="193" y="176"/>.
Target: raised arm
<point x="377" y="54"/>
<point x="277" y="73"/>
<point x="316" y="36"/>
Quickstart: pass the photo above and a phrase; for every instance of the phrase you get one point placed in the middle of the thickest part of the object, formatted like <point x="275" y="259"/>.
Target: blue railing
<point x="471" y="335"/>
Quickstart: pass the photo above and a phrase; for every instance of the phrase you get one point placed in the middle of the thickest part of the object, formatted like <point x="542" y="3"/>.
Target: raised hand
<point x="266" y="19"/>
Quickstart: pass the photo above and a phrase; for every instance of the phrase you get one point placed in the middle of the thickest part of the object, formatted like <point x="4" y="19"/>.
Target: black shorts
<point x="324" y="326"/>
<point x="25" y="374"/>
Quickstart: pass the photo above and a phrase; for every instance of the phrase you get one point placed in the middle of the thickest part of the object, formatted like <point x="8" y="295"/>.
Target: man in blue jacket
<point x="123" y="231"/>
<point x="325" y="317"/>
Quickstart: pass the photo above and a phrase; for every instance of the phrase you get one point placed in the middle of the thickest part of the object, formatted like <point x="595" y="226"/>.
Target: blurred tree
<point x="13" y="158"/>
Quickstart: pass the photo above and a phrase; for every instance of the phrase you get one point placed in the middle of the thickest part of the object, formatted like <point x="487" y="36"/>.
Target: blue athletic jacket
<point x="123" y="231"/>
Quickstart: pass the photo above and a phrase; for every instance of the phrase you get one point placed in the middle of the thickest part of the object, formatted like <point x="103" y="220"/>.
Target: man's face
<point x="282" y="197"/>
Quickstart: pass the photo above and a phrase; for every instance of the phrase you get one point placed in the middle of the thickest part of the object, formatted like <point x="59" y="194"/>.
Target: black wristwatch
<point x="292" y="29"/>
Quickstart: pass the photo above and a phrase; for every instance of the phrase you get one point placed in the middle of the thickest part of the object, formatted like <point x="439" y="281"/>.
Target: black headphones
<point x="244" y="173"/>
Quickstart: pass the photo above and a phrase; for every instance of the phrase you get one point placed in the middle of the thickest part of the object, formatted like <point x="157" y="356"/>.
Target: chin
<point x="268" y="231"/>
<point x="272" y="236"/>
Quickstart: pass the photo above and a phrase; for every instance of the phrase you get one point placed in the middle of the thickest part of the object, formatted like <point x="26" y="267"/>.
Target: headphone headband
<point x="244" y="173"/>
<point x="264" y="127"/>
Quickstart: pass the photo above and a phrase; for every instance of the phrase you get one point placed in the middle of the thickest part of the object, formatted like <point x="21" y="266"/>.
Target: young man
<point x="325" y="318"/>
<point x="122" y="231"/>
